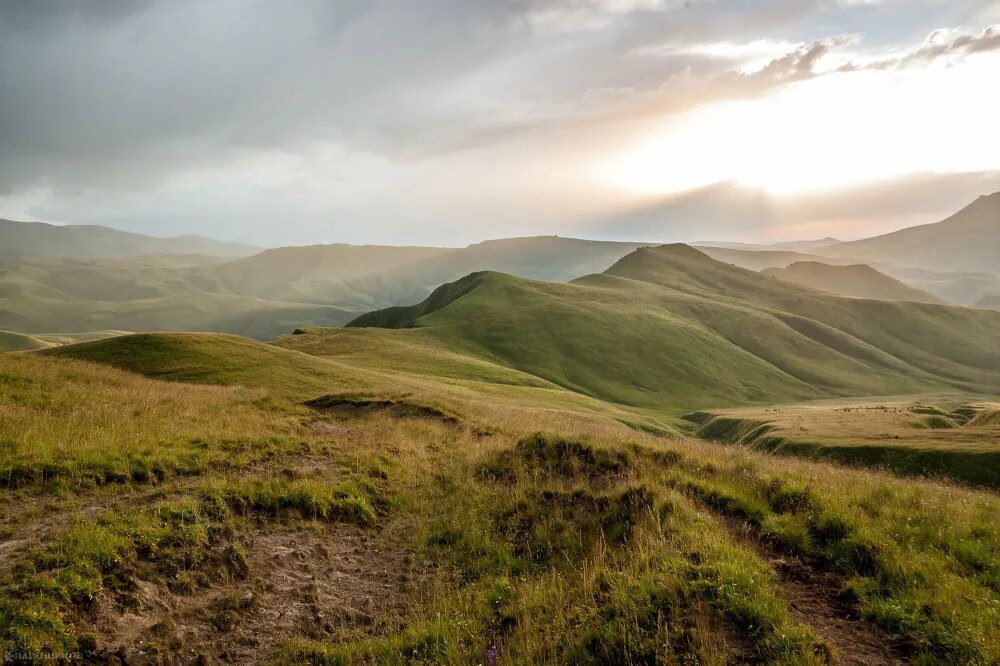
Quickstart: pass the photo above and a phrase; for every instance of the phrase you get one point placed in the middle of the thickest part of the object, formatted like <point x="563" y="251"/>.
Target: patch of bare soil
<point x="815" y="598"/>
<point x="314" y="580"/>
<point x="347" y="406"/>
<point x="33" y="519"/>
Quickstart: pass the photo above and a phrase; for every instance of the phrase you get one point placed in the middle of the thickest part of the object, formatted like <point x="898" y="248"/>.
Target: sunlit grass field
<point x="545" y="526"/>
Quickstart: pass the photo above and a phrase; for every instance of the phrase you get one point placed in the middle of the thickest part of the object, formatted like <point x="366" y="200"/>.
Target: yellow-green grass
<point x="218" y="358"/>
<point x="345" y="361"/>
<point x="65" y="421"/>
<point x="921" y="558"/>
<point x="596" y="543"/>
<point x="406" y="351"/>
<point x="916" y="435"/>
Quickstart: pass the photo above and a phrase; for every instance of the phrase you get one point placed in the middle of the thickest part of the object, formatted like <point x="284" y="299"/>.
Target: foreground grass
<point x="552" y="563"/>
<point x="593" y="542"/>
<point x="71" y="423"/>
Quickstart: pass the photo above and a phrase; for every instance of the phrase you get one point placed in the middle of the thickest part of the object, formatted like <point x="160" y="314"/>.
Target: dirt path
<point x="32" y="519"/>
<point x="814" y="599"/>
<point x="315" y="581"/>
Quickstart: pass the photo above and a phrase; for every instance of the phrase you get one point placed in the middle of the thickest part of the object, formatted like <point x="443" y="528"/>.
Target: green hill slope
<point x="215" y="358"/>
<point x="856" y="281"/>
<point x="669" y="327"/>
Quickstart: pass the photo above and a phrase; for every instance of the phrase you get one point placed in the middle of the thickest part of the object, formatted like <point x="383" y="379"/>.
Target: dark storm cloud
<point x="102" y="99"/>
<point x="140" y="92"/>
<point x="113" y="94"/>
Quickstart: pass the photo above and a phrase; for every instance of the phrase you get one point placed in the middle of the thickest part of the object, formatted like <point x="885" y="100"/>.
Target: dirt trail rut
<point x="814" y="599"/>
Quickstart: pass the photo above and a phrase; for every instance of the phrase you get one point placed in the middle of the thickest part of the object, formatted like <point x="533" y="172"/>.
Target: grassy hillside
<point x="10" y="342"/>
<point x="97" y="241"/>
<point x="214" y="358"/>
<point x="148" y="519"/>
<point x="670" y="328"/>
<point x="969" y="240"/>
<point x="856" y="281"/>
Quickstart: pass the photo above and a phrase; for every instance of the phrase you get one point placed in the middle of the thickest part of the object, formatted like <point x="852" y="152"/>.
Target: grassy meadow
<point x="173" y="495"/>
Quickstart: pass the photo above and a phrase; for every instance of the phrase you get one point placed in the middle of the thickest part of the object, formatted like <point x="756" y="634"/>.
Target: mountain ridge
<point x="968" y="240"/>
<point x="853" y="280"/>
<point x="670" y="325"/>
<point x="96" y="241"/>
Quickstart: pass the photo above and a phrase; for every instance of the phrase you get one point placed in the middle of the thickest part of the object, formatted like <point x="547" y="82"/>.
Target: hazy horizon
<point x="446" y="123"/>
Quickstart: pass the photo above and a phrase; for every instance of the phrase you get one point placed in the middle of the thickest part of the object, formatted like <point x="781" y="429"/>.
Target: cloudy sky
<point x="451" y="121"/>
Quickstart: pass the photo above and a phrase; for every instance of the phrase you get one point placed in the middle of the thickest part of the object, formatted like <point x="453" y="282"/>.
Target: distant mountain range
<point x="96" y="241"/>
<point x="70" y="279"/>
<point x="969" y="240"/>
<point x="856" y="281"/>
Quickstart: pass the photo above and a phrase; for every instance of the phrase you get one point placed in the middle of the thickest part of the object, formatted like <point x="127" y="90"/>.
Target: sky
<point x="446" y="122"/>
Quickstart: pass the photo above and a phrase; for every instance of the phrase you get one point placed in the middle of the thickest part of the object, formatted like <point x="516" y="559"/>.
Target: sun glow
<point x="837" y="130"/>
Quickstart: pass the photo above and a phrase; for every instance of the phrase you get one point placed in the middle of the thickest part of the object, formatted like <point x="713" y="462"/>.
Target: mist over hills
<point x="269" y="293"/>
<point x="858" y="281"/>
<point x="969" y="240"/>
<point x="98" y="241"/>
<point x="81" y="278"/>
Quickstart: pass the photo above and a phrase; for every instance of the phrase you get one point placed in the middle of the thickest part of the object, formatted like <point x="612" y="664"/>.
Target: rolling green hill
<point x="856" y="281"/>
<point x="215" y="358"/>
<point x="669" y="327"/>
